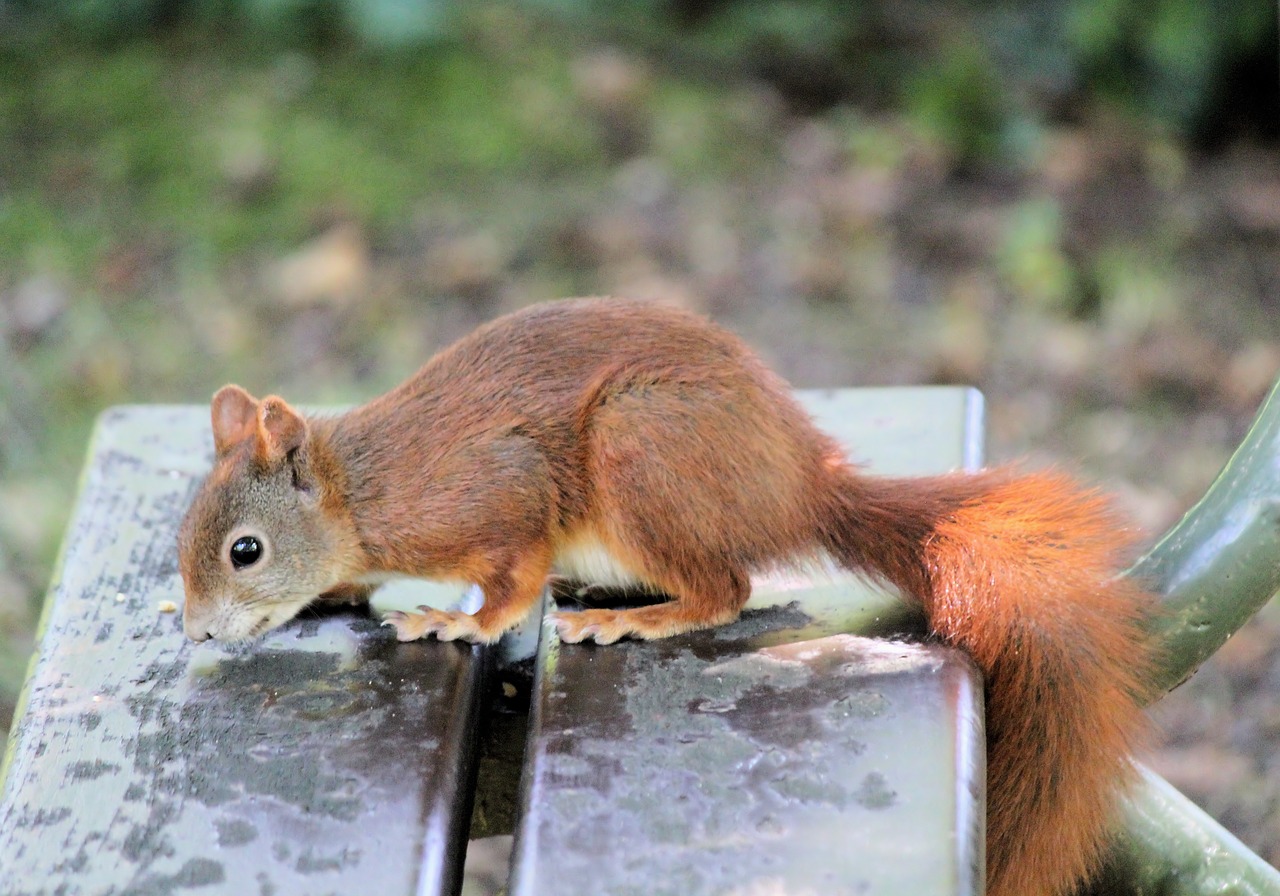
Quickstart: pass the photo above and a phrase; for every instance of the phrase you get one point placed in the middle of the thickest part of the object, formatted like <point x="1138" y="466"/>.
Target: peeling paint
<point x="82" y="771"/>
<point x="720" y="764"/>
<point x="194" y="873"/>
<point x="235" y="832"/>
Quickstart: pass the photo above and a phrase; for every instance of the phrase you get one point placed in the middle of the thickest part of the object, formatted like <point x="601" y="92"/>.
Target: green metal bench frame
<point x="1216" y="568"/>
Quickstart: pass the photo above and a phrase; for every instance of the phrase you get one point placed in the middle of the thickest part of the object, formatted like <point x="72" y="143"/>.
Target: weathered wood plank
<point x="325" y="758"/>
<point x="772" y="755"/>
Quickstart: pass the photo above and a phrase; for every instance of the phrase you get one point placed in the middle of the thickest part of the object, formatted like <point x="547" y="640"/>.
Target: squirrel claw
<point x="584" y="625"/>
<point x="445" y="625"/>
<point x="571" y="634"/>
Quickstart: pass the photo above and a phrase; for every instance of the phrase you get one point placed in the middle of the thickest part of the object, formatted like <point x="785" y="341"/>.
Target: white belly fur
<point x="585" y="559"/>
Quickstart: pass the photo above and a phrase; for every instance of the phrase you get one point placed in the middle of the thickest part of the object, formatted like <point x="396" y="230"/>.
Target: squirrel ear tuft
<point x="281" y="429"/>
<point x="234" y="412"/>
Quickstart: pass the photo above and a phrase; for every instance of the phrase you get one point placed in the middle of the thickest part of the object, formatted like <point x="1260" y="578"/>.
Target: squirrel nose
<point x="195" y="629"/>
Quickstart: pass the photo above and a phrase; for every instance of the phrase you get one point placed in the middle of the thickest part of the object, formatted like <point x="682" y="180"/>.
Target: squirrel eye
<point x="246" y="551"/>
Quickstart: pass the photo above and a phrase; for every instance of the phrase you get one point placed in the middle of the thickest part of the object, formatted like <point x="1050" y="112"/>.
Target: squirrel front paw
<point x="447" y="625"/>
<point x="645" y="623"/>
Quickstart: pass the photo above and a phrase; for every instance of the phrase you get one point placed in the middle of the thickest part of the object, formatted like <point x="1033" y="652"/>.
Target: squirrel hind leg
<point x="709" y="599"/>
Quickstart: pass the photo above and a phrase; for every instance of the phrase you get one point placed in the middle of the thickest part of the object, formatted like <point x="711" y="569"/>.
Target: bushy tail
<point x="1019" y="570"/>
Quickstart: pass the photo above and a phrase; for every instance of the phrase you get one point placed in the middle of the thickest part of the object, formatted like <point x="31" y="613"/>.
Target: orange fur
<point x="1020" y="571"/>
<point x="663" y="439"/>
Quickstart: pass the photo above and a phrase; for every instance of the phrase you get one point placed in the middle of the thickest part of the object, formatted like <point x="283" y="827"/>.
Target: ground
<point x="181" y="214"/>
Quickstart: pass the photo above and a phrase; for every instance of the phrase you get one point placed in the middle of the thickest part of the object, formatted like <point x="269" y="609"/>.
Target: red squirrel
<point x="646" y="440"/>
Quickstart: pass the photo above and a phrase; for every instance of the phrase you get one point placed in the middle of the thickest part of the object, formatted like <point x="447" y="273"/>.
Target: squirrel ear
<point x="233" y="412"/>
<point x="281" y="429"/>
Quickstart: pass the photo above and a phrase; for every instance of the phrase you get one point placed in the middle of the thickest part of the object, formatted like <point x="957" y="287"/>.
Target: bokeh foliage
<point x="976" y="75"/>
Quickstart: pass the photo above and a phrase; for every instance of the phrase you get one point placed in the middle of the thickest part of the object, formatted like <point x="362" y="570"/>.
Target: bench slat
<point x="701" y="766"/>
<point x="771" y="755"/>
<point x="323" y="759"/>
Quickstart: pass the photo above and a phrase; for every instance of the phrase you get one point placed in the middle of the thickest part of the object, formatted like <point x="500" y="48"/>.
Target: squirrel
<point x="643" y="444"/>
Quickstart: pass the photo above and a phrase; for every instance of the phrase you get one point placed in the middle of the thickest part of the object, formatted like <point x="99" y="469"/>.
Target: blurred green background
<point x="1073" y="205"/>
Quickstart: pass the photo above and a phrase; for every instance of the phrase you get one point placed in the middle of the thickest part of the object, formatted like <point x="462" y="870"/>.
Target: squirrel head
<point x="263" y="536"/>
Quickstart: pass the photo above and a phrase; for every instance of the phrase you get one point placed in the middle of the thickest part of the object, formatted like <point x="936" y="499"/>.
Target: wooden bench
<point x="779" y="751"/>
